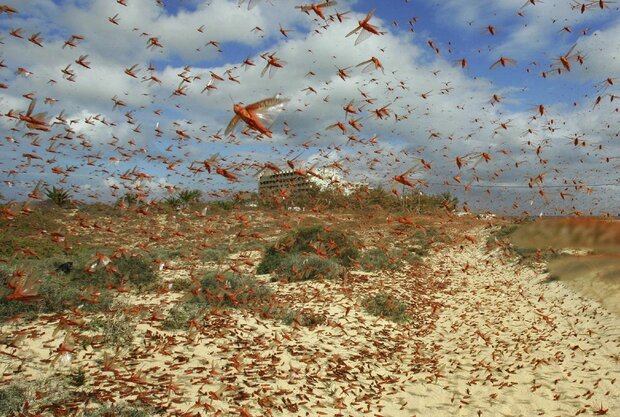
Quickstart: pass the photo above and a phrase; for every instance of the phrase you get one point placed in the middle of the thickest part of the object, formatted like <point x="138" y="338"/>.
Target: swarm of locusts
<point x="293" y="208"/>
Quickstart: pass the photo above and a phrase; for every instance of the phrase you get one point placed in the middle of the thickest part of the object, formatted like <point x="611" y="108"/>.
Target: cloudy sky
<point x="146" y="106"/>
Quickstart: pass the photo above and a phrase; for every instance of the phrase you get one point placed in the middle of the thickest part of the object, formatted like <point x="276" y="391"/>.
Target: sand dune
<point x="499" y="340"/>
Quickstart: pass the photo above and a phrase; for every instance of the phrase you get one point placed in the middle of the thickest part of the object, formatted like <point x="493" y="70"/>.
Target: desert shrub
<point x="412" y="254"/>
<point x="182" y="285"/>
<point x="117" y="330"/>
<point x="77" y="378"/>
<point x="181" y="314"/>
<point x="271" y="260"/>
<point x="297" y="267"/>
<point x="217" y="290"/>
<point x="336" y="244"/>
<point x="13" y="398"/>
<point x="221" y="290"/>
<point x="134" y="270"/>
<point x="58" y="292"/>
<point x="215" y="254"/>
<point x="386" y="306"/>
<point x="376" y="259"/>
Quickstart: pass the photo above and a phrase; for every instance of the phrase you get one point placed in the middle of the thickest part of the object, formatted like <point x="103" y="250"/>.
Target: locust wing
<point x="231" y="125"/>
<point x="267" y="110"/>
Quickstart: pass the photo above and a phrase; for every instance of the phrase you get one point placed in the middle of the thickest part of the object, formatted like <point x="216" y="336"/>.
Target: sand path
<point x="510" y="344"/>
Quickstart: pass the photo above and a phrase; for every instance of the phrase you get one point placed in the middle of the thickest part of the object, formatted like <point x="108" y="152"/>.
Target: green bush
<point x="180" y="315"/>
<point x="172" y="201"/>
<point x="58" y="292"/>
<point x="297" y="267"/>
<point x="215" y="254"/>
<point x="384" y="305"/>
<point x="187" y="197"/>
<point x="218" y="290"/>
<point x="376" y="259"/>
<point x="336" y="244"/>
<point x="133" y="270"/>
<point x="271" y="261"/>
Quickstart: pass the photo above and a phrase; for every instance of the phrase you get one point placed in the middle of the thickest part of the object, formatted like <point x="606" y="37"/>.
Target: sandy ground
<point x="503" y="342"/>
<point x="511" y="344"/>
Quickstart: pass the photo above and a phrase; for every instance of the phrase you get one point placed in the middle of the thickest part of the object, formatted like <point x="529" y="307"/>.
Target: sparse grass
<point x="297" y="267"/>
<point x="31" y="231"/>
<point x="249" y="245"/>
<point x="526" y="255"/>
<point x="165" y="254"/>
<point x="26" y="397"/>
<point x="386" y="306"/>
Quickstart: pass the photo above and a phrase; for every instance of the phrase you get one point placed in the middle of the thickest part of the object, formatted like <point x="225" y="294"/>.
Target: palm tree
<point x="58" y="196"/>
<point x="186" y="197"/>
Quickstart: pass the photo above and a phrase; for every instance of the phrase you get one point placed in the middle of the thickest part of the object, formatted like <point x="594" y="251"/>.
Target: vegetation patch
<point x="180" y="315"/>
<point x="377" y="259"/>
<point x="297" y="267"/>
<point x="59" y="196"/>
<point x="217" y="290"/>
<point x="54" y="293"/>
<point x="102" y="271"/>
<point x="317" y="239"/>
<point x="118" y="330"/>
<point x="386" y="306"/>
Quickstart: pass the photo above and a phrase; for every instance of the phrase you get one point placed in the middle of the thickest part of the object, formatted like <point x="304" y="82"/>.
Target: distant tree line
<point x="362" y="198"/>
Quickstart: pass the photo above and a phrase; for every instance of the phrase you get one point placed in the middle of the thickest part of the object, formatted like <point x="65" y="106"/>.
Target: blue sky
<point x="456" y="119"/>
